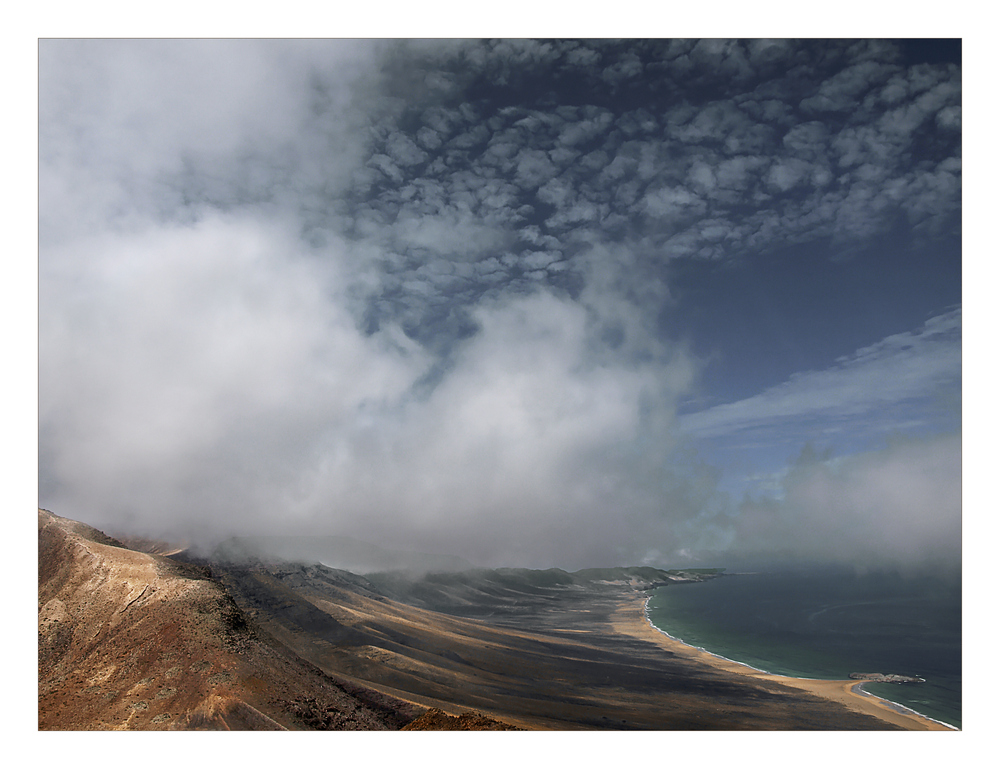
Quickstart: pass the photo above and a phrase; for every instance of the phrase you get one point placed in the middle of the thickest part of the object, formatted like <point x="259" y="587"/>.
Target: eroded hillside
<point x="130" y="640"/>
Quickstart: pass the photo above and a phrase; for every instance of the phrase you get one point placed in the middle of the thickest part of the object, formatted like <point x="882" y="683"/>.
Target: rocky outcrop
<point x="886" y="678"/>
<point x="436" y="719"/>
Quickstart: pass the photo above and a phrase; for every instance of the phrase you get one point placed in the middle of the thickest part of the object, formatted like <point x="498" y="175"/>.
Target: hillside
<point x="135" y="640"/>
<point x="544" y="649"/>
<point x="130" y="640"/>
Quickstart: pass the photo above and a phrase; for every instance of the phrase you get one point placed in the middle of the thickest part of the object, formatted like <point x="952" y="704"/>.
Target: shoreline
<point x="849" y="693"/>
<point x="859" y="690"/>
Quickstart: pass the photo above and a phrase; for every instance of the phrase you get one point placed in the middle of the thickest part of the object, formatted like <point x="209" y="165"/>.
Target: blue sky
<point x="544" y="303"/>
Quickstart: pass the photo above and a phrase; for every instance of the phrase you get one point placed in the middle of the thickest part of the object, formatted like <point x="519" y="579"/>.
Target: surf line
<point x="859" y="688"/>
<point x="645" y="611"/>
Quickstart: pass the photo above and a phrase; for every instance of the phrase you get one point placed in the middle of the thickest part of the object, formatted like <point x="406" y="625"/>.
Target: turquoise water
<point x="829" y="624"/>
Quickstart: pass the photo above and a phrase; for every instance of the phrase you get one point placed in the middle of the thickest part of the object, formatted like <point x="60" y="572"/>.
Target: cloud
<point x="863" y="386"/>
<point x="900" y="507"/>
<point x="628" y="66"/>
<point x="222" y="390"/>
<point x="842" y="92"/>
<point x="534" y="168"/>
<point x="148" y="127"/>
<point x="526" y="436"/>
<point x="401" y="289"/>
<point x="199" y="367"/>
<point x="592" y="164"/>
<point x="208" y="378"/>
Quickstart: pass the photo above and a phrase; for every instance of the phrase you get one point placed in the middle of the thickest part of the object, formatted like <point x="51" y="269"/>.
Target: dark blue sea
<point x="829" y="624"/>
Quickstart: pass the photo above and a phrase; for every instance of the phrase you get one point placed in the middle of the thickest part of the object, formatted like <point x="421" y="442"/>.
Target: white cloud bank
<point x="892" y="508"/>
<point x="205" y="379"/>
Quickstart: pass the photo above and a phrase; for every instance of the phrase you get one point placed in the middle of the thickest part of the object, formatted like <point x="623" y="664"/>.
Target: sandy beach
<point x="632" y="620"/>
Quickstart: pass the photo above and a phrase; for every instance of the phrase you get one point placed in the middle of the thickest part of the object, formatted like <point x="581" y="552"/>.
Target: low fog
<point x="235" y="340"/>
<point x="899" y="507"/>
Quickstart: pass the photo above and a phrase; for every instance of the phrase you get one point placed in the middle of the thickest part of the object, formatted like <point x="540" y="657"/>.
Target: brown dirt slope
<point x="129" y="640"/>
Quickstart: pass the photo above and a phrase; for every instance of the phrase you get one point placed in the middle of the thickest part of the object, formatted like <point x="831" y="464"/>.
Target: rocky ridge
<point x="129" y="640"/>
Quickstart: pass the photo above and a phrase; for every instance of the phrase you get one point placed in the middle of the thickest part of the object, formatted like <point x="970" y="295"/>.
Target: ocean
<point x="828" y="624"/>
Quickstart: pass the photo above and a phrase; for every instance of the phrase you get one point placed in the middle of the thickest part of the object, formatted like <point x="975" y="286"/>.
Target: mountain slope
<point x="546" y="650"/>
<point x="129" y="640"/>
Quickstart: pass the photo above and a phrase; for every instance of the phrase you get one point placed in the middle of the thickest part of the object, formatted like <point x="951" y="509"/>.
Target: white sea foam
<point x="861" y="688"/>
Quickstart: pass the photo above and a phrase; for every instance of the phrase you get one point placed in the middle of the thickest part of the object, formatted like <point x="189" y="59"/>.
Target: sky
<point x="534" y="303"/>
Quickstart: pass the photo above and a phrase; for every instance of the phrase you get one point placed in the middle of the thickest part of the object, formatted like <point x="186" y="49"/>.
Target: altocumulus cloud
<point x="411" y="290"/>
